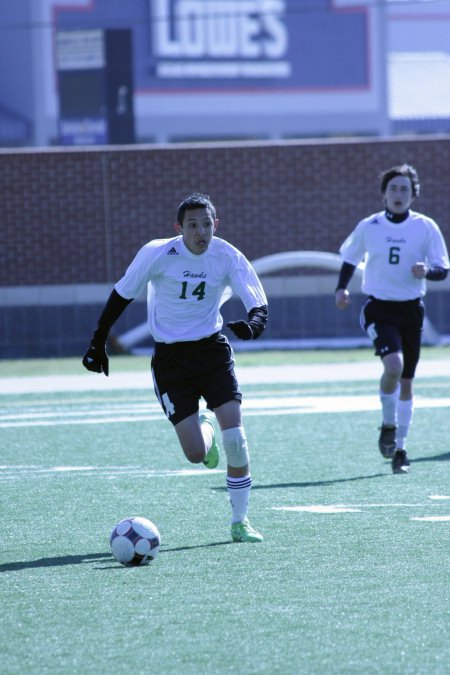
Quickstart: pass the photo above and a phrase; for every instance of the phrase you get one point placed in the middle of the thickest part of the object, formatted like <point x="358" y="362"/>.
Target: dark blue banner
<point x="204" y="45"/>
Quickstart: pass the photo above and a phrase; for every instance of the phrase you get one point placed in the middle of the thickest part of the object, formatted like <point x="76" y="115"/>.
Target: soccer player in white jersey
<point x="188" y="278"/>
<point x="401" y="249"/>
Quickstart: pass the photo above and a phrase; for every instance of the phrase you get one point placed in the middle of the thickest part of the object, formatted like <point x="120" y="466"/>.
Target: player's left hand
<point x="241" y="329"/>
<point x="419" y="270"/>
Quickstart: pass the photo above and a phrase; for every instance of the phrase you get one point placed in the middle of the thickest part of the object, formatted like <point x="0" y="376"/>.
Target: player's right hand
<point x="342" y="298"/>
<point x="96" y="358"/>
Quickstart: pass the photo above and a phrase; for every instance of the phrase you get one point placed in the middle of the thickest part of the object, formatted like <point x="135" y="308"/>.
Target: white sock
<point x="405" y="415"/>
<point x="389" y="407"/>
<point x="239" y="492"/>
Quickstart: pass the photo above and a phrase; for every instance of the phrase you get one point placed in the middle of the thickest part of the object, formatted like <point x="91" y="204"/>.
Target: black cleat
<point x="386" y="441"/>
<point x="400" y="463"/>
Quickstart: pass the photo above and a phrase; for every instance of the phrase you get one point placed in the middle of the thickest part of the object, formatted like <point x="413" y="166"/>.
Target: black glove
<point x="257" y="319"/>
<point x="96" y="358"/>
<point x="241" y="329"/>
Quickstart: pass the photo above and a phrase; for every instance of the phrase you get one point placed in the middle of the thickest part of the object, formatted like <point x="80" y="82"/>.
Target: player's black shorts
<point x="183" y="372"/>
<point x="395" y="327"/>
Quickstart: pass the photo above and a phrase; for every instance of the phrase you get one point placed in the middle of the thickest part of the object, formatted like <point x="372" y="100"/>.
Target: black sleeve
<point x="345" y="274"/>
<point x="111" y="312"/>
<point x="257" y="319"/>
<point x="436" y="274"/>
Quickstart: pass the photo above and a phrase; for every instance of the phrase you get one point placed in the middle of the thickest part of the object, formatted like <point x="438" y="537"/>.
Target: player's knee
<point x="393" y="365"/>
<point x="394" y="371"/>
<point x="235" y="446"/>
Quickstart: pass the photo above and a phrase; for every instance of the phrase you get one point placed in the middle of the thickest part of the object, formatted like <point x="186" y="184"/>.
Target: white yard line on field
<point x="10" y="473"/>
<point x="435" y="519"/>
<point x="358" y="508"/>
<point x="252" y="406"/>
<point x="359" y="371"/>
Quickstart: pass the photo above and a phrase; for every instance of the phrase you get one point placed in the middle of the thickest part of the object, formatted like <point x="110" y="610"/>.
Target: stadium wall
<point x="71" y="220"/>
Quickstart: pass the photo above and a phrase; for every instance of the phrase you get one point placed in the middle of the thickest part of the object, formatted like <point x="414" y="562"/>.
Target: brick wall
<point x="71" y="216"/>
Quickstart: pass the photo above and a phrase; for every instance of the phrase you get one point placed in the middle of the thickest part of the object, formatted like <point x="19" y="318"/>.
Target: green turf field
<point x="353" y="575"/>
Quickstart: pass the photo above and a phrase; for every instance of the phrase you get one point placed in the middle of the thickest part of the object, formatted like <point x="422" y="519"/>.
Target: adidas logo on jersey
<point x="172" y="251"/>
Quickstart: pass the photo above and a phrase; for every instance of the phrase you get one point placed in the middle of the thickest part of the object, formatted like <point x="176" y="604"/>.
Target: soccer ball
<point x="135" y="541"/>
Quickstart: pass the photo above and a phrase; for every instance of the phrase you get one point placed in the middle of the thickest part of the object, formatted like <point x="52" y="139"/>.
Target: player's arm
<point x="436" y="273"/>
<point x="431" y="272"/>
<point x="253" y="327"/>
<point x="247" y="285"/>
<point x="96" y="358"/>
<point x="342" y="295"/>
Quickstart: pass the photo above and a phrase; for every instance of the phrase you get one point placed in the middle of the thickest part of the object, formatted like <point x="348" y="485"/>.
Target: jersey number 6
<point x="394" y="257"/>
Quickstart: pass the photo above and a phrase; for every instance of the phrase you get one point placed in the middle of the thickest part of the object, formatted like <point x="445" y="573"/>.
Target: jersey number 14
<point x="199" y="290"/>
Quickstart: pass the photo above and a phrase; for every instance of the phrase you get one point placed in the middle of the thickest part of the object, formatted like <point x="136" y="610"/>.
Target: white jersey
<point x="390" y="250"/>
<point x="185" y="291"/>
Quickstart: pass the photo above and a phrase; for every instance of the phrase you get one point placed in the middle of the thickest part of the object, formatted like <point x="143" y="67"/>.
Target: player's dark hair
<point x="402" y="170"/>
<point x="196" y="200"/>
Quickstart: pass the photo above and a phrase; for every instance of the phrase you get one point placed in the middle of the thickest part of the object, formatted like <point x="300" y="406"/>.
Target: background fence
<point x="71" y="221"/>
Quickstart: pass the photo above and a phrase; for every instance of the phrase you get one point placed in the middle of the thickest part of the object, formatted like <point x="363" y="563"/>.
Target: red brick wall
<point x="79" y="215"/>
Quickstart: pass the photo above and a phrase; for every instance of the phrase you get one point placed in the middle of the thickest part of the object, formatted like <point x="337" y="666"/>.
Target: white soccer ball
<point x="135" y="541"/>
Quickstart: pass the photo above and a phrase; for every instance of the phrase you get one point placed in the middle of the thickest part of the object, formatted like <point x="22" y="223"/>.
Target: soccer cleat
<point x="211" y="460"/>
<point x="243" y="531"/>
<point x="386" y="441"/>
<point x="400" y="463"/>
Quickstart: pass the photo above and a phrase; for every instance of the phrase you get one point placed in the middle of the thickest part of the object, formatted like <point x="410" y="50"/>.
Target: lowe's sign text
<point x="220" y="38"/>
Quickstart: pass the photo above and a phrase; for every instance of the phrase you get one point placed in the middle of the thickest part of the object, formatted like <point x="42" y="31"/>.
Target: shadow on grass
<point x="57" y="561"/>
<point x="318" y="483"/>
<point x="189" y="548"/>
<point x="61" y="561"/>
<point x="444" y="457"/>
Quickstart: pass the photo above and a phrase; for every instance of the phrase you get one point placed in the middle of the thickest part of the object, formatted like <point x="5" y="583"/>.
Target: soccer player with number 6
<point x="188" y="278"/>
<point x="401" y="248"/>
